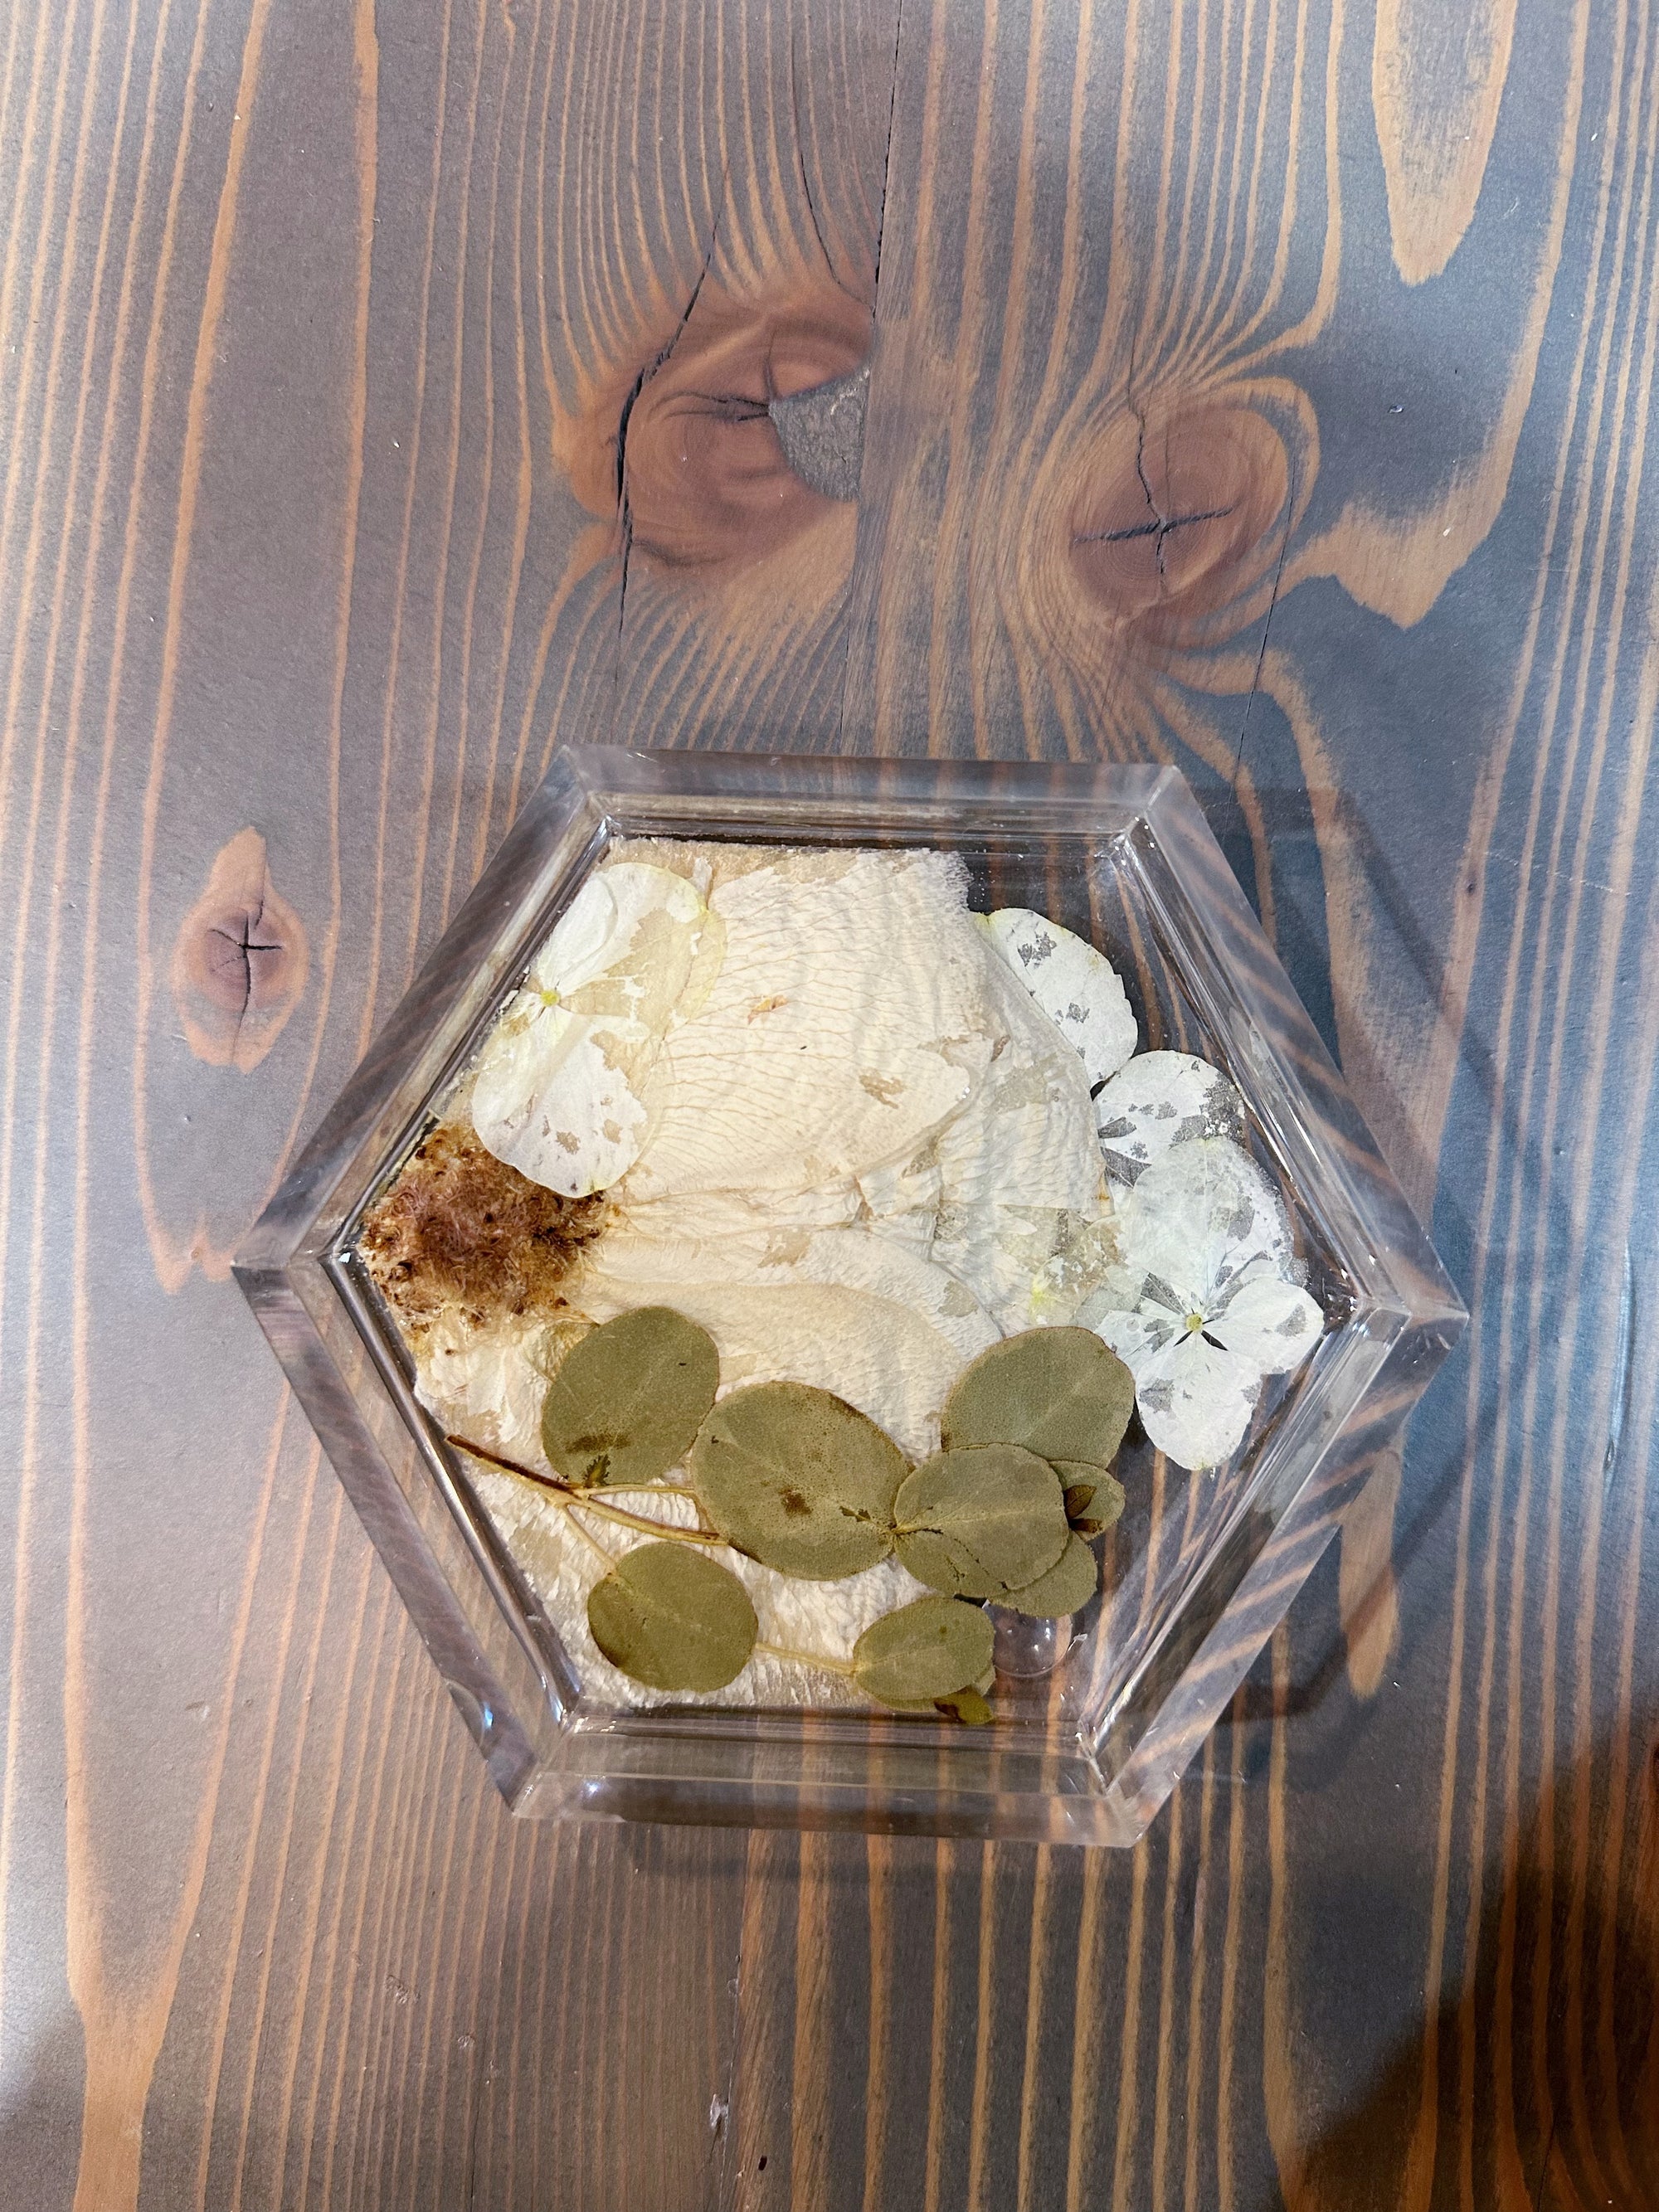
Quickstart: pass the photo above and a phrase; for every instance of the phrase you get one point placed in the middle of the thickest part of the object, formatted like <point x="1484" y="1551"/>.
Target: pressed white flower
<point x="1202" y="1304"/>
<point x="1159" y="1099"/>
<point x="846" y="1023"/>
<point x="557" y="1091"/>
<point x="1077" y="986"/>
<point x="1020" y="1170"/>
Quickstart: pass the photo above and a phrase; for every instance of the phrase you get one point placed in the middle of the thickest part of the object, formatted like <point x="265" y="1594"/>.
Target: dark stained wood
<point x="1264" y="386"/>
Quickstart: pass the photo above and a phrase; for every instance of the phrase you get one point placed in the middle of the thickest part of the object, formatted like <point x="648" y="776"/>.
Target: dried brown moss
<point x="461" y="1232"/>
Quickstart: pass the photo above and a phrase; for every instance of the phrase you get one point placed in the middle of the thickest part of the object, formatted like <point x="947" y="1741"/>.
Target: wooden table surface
<point x="1264" y="386"/>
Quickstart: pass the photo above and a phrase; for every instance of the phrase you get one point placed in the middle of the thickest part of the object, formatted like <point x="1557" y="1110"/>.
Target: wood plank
<point x="325" y="330"/>
<point x="290" y="576"/>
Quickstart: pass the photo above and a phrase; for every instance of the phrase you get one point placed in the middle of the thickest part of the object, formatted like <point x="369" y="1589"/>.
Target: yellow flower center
<point x="1195" y="1324"/>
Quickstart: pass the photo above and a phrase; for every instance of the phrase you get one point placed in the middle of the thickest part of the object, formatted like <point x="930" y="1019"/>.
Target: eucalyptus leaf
<point x="971" y="1706"/>
<point x="1066" y="1588"/>
<point x="1094" y="1499"/>
<point x="797" y="1478"/>
<point x="933" y="1649"/>
<point x="629" y="1398"/>
<point x="1059" y="1392"/>
<point x="979" y="1523"/>
<point x="672" y="1617"/>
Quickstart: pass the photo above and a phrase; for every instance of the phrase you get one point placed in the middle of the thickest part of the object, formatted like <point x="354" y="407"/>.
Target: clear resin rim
<point x="1086" y="1753"/>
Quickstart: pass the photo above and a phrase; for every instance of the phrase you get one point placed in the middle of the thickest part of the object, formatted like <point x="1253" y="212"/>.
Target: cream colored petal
<point x="687" y="1221"/>
<point x="847" y="1021"/>
<point x="553" y="1098"/>
<point x="707" y="961"/>
<point x="1077" y="986"/>
<point x="902" y="1200"/>
<point x="1020" y="1171"/>
<point x="1272" y="1323"/>
<point x="1160" y="1099"/>
<point x="485" y="1385"/>
<point x="581" y="941"/>
<point x="641" y="972"/>
<point x="888" y="1268"/>
<point x="557" y="1090"/>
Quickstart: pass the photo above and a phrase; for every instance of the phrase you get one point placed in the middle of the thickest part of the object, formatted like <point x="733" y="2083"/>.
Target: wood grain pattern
<point x="1264" y="386"/>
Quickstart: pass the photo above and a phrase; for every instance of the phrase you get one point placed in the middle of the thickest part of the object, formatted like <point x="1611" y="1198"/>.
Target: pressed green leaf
<point x="969" y="1705"/>
<point x="798" y="1478"/>
<point x="629" y="1397"/>
<point x="979" y="1523"/>
<point x="1094" y="1499"/>
<point x="672" y="1617"/>
<point x="1066" y="1588"/>
<point x="933" y="1649"/>
<point x="1059" y="1392"/>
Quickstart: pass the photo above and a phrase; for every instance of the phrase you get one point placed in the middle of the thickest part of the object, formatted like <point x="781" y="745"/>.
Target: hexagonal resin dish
<point x="858" y="1069"/>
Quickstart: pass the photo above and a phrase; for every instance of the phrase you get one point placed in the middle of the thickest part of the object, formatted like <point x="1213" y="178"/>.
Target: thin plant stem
<point x="571" y="1496"/>
<point x="806" y="1659"/>
<point x="653" y="1489"/>
<point x="588" y="1537"/>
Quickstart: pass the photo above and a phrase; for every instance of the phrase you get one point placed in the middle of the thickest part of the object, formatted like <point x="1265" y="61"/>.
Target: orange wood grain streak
<point x="172" y="1264"/>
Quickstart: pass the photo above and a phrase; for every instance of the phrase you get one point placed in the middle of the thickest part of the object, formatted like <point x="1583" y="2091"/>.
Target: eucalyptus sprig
<point x="576" y="1494"/>
<point x="797" y="1480"/>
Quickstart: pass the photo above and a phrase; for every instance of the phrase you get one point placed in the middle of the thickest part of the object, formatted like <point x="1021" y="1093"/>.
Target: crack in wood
<point x="649" y="370"/>
<point x="1159" y="528"/>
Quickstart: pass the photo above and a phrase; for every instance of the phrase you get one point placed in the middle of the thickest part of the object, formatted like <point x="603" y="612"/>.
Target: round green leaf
<point x="629" y="1398"/>
<point x="1094" y="1499"/>
<point x="971" y="1706"/>
<point x="931" y="1649"/>
<point x="979" y="1523"/>
<point x="1059" y="1392"/>
<point x="797" y="1478"/>
<point x="1066" y="1588"/>
<point x="672" y="1617"/>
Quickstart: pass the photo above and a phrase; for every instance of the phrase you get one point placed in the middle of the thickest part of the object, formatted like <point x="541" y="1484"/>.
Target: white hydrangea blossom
<point x="1077" y="986"/>
<point x="1203" y="1304"/>
<point x="1157" y="1100"/>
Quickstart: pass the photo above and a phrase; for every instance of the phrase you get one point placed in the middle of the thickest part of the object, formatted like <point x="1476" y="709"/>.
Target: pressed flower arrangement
<point x="860" y="1213"/>
<point x="858" y="1078"/>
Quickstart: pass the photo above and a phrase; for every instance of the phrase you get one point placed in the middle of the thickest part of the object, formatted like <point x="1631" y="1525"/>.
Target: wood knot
<point x="1179" y="510"/>
<point x="240" y="960"/>
<point x="685" y="448"/>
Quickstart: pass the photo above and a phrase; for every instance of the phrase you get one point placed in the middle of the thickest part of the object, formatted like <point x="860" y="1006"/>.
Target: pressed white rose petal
<point x="1160" y="1099"/>
<point x="1272" y="1323"/>
<point x="1020" y="1177"/>
<point x="1077" y="986"/>
<point x="557" y="1089"/>
<point x="485" y="1383"/>
<point x="641" y="973"/>
<point x="847" y="1021"/>
<point x="902" y="1201"/>
<point x="552" y="1098"/>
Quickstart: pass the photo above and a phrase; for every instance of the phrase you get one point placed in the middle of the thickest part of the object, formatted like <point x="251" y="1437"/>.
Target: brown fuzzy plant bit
<point x="461" y="1232"/>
